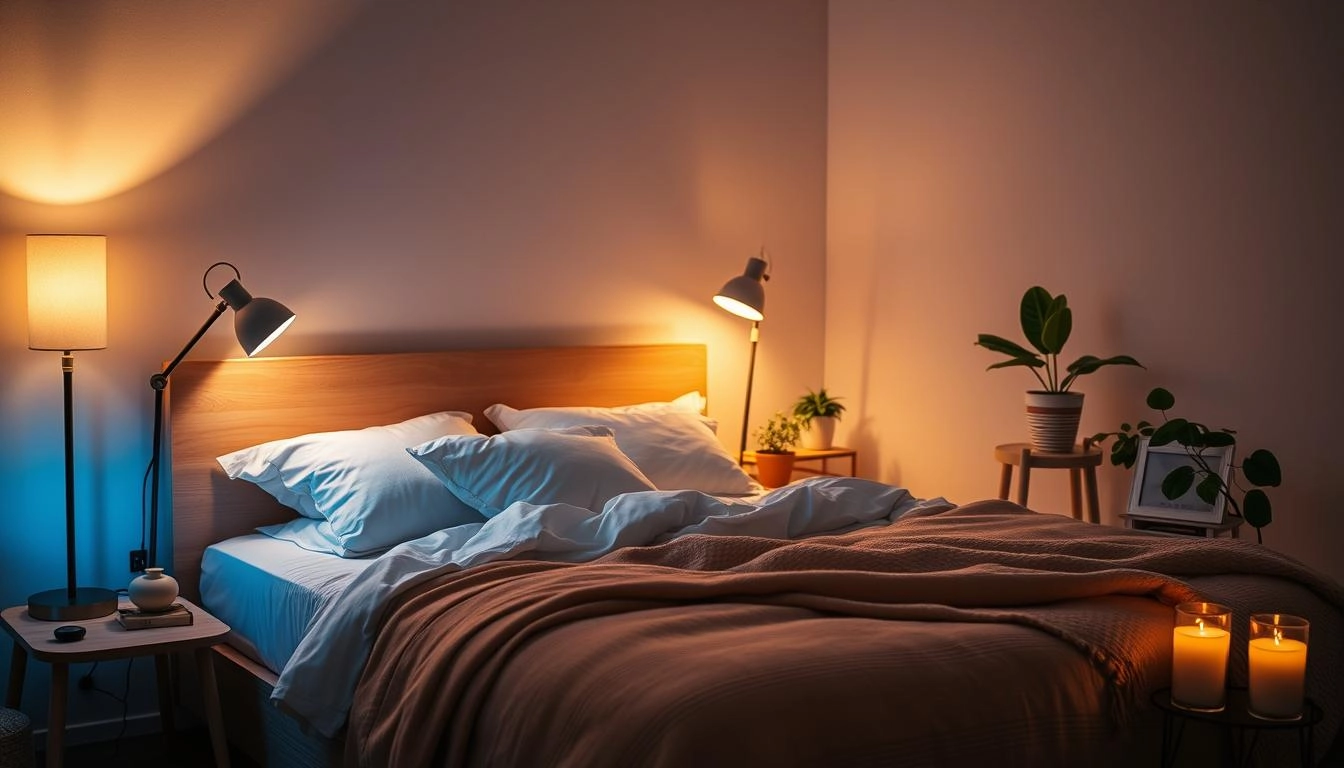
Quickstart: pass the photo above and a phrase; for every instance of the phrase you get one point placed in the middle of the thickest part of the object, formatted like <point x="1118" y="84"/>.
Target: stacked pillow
<point x="576" y="465"/>
<point x="675" y="448"/>
<point x="361" y="492"/>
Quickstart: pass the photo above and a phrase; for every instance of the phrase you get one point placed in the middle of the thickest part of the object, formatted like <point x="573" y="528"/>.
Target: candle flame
<point x="1278" y="635"/>
<point x="1200" y="623"/>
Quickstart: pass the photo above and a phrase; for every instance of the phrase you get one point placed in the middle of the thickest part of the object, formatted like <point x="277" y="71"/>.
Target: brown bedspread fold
<point x="1052" y="630"/>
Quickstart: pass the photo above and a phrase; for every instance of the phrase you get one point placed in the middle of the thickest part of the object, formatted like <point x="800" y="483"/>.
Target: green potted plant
<point x="1053" y="411"/>
<point x="817" y="414"/>
<point x="1260" y="468"/>
<point x="774" y="454"/>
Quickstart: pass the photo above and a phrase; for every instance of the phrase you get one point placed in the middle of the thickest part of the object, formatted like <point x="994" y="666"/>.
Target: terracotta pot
<point x="1052" y="418"/>
<point x="774" y="469"/>
<point x="820" y="433"/>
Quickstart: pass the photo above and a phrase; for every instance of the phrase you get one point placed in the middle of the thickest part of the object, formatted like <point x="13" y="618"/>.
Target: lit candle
<point x="1278" y="665"/>
<point x="1200" y="643"/>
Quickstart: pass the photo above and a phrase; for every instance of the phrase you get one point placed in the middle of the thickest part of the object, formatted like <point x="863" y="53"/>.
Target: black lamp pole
<point x="159" y="382"/>
<point x="257" y="322"/>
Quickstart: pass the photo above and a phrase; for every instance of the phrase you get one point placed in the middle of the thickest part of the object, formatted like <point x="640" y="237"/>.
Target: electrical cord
<point x="87" y="683"/>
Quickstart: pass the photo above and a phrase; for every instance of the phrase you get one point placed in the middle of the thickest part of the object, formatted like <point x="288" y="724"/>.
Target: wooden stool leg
<point x="1024" y="480"/>
<point x="56" y="709"/>
<point x="214" y="715"/>
<point x="1005" y="482"/>
<point x="1093" y="503"/>
<point x="1075" y="494"/>
<point x="164" y="674"/>
<point x="18" y="663"/>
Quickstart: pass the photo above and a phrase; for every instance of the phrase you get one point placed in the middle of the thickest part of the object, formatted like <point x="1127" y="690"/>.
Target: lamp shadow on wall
<point x="100" y="97"/>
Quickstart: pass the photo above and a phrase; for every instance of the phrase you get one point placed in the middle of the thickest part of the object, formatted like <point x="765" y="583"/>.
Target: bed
<point x="836" y="621"/>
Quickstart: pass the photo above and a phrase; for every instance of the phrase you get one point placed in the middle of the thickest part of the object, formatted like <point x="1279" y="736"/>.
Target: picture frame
<point x="1154" y="463"/>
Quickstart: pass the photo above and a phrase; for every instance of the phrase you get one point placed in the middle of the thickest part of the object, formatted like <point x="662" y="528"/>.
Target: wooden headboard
<point x="216" y="407"/>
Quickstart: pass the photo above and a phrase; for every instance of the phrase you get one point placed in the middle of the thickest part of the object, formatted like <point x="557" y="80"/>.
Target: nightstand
<point x="822" y="456"/>
<point x="104" y="640"/>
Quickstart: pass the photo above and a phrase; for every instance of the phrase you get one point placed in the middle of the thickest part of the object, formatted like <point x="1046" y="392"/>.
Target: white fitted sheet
<point x="268" y="591"/>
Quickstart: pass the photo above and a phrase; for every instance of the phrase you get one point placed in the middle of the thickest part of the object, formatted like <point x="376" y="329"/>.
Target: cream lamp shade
<point x="67" y="292"/>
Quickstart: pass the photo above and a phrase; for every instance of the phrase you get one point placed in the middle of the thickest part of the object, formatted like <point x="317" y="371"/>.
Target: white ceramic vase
<point x="153" y="591"/>
<point x="820" y="433"/>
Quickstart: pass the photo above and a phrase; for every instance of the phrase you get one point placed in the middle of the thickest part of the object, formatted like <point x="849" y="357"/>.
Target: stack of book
<point x="175" y="616"/>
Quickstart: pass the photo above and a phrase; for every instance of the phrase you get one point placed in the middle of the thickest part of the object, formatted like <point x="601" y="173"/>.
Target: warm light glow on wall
<point x="67" y="292"/>
<point x="99" y="96"/>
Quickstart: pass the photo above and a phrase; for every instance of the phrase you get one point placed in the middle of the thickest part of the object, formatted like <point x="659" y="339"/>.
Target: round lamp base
<point x="57" y="605"/>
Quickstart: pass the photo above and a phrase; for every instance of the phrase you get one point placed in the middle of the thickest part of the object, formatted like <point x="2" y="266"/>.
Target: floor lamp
<point x="67" y="311"/>
<point x="744" y="296"/>
<point x="256" y="322"/>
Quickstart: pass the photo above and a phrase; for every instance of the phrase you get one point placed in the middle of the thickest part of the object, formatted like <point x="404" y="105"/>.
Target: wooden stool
<point x="1082" y="464"/>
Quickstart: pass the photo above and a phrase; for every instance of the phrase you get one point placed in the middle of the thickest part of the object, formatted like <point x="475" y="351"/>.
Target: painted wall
<point x="1173" y="168"/>
<point x="404" y="176"/>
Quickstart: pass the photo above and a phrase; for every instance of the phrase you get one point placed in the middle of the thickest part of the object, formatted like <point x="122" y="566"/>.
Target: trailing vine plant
<point x="1260" y="469"/>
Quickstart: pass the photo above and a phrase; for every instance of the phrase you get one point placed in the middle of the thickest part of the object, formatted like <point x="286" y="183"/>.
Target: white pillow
<point x="361" y="481"/>
<point x="676" y="450"/>
<point x="580" y="466"/>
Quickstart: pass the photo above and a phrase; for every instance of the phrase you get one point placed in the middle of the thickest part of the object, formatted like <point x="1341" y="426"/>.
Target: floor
<point x="187" y="749"/>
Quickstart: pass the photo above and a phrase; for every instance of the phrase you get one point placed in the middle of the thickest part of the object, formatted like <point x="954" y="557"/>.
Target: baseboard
<point x="97" y="731"/>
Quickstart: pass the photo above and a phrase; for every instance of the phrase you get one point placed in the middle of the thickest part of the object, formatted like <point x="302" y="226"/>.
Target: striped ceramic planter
<point x="1053" y="419"/>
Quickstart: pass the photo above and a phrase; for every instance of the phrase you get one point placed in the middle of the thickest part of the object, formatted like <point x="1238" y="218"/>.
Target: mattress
<point x="268" y="591"/>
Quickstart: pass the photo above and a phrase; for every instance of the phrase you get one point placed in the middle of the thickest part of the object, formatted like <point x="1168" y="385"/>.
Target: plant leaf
<point x="1161" y="400"/>
<point x="1003" y="346"/>
<point x="1256" y="509"/>
<point x="1030" y="362"/>
<point x="1058" y="326"/>
<point x="1219" y="439"/>
<point x="1177" y="482"/>
<point x="1262" y="468"/>
<point x="1090" y="363"/>
<point x="1209" y="488"/>
<point x="1035" y="306"/>
<point x="1125" y="451"/>
<point x="1169" y="432"/>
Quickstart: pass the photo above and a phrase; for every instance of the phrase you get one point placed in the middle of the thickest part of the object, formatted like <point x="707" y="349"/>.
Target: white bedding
<point x="268" y="591"/>
<point x="319" y="681"/>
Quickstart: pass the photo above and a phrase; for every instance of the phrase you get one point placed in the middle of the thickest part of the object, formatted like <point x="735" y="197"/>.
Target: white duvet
<point x="319" y="681"/>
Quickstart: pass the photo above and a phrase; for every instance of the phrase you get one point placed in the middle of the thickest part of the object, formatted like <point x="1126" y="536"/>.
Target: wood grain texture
<point x="216" y="407"/>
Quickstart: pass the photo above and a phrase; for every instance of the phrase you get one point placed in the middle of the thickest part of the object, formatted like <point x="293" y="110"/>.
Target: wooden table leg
<point x="1075" y="494"/>
<point x="60" y="685"/>
<point x="1093" y="502"/>
<point x="214" y="716"/>
<point x="163" y="672"/>
<point x="1005" y="480"/>
<point x="18" y="664"/>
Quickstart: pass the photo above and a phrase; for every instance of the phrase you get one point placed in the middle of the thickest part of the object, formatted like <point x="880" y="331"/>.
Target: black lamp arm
<point x="159" y="382"/>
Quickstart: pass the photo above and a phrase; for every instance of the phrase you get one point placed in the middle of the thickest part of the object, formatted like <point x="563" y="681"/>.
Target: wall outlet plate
<point x="139" y="560"/>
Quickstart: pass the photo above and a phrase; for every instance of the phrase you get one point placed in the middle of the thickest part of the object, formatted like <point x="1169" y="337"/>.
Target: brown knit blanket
<point x="986" y="632"/>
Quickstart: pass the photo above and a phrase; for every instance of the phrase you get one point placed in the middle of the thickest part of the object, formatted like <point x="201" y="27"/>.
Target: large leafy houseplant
<point x="1260" y="468"/>
<point x="1047" y="323"/>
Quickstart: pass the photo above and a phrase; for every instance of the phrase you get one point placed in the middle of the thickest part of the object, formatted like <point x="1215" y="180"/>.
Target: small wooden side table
<point x="1235" y="720"/>
<point x="105" y="639"/>
<point x="1082" y="463"/>
<point x="822" y="456"/>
